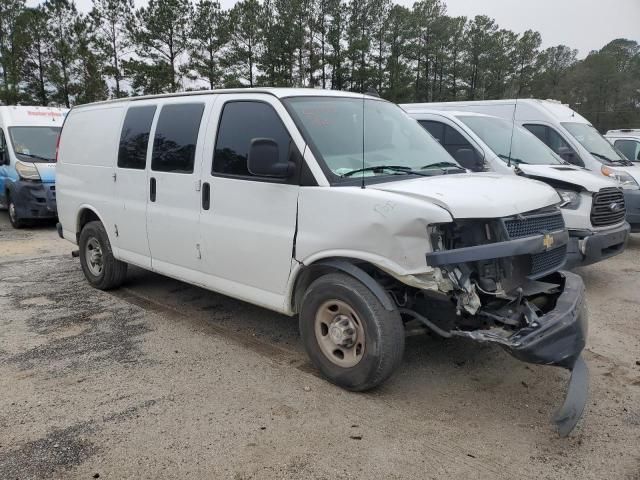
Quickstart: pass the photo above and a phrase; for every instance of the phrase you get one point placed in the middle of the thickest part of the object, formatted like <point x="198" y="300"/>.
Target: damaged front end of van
<point x="502" y="284"/>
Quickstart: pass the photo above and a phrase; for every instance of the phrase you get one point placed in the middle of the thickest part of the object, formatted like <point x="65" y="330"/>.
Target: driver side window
<point x="555" y="142"/>
<point x="455" y="144"/>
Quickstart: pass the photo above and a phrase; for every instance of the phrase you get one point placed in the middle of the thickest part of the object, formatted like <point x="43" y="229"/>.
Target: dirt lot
<point x="163" y="380"/>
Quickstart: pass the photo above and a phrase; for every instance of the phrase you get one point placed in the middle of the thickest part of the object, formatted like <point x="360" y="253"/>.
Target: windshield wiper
<point x="30" y="155"/>
<point x="442" y="165"/>
<point x="379" y="168"/>
<point x="612" y="160"/>
<point x="517" y="161"/>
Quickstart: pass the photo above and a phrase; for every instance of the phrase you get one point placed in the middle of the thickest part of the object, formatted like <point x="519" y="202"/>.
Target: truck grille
<point x="548" y="261"/>
<point x="608" y="207"/>
<point x="534" y="225"/>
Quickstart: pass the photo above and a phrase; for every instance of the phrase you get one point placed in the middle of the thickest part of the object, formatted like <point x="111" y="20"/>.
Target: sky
<point x="582" y="24"/>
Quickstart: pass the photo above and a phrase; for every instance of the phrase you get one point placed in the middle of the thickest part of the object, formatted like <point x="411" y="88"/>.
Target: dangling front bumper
<point x="555" y="338"/>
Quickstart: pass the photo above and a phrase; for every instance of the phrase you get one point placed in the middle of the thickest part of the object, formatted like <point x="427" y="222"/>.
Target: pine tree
<point x="10" y="50"/>
<point x="61" y="20"/>
<point x="208" y="36"/>
<point x="36" y="41"/>
<point x="109" y="21"/>
<point x="246" y="41"/>
<point x="160" y="35"/>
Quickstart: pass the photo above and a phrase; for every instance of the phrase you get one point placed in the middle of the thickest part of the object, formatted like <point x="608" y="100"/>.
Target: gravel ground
<point x="160" y="379"/>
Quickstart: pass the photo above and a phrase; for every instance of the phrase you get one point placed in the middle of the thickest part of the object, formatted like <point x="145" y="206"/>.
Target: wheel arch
<point x="86" y="214"/>
<point x="353" y="267"/>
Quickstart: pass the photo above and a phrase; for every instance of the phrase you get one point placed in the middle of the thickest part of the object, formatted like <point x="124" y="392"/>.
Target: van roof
<point x="528" y="108"/>
<point x="276" y="92"/>
<point x="625" y="131"/>
<point x="444" y="113"/>
<point x="18" y="115"/>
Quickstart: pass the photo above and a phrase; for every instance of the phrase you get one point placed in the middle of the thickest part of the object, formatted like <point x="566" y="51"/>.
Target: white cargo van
<point x="568" y="134"/>
<point x="627" y="141"/>
<point x="332" y="206"/>
<point x="28" y="139"/>
<point x="593" y="205"/>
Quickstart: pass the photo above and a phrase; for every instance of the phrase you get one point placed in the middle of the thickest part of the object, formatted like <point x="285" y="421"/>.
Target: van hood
<point x="478" y="195"/>
<point x="569" y="174"/>
<point x="47" y="171"/>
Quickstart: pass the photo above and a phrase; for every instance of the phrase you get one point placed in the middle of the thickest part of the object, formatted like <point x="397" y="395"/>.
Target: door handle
<point x="206" y="196"/>
<point x="152" y="189"/>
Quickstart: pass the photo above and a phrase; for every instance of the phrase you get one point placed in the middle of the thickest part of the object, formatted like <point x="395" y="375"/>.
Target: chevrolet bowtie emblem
<point x="547" y="241"/>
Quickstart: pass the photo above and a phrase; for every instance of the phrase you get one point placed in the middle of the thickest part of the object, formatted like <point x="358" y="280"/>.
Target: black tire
<point x="383" y="331"/>
<point x="113" y="272"/>
<point x="16" y="221"/>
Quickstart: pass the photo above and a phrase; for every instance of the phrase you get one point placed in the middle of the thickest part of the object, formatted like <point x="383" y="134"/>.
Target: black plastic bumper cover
<point x="632" y="204"/>
<point x="598" y="246"/>
<point x="556" y="338"/>
<point x="34" y="199"/>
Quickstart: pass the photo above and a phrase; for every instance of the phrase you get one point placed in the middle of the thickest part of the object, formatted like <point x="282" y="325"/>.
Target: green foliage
<point x="160" y="35"/>
<point x="54" y="55"/>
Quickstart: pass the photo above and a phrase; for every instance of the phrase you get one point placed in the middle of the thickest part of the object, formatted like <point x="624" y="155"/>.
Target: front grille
<point x="534" y="225"/>
<point x="608" y="207"/>
<point x="547" y="261"/>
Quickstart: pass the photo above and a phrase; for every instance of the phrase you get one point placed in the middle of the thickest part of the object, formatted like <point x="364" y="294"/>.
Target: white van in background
<point x="28" y="140"/>
<point x="568" y="134"/>
<point x="486" y="143"/>
<point x="627" y="141"/>
<point x="332" y="206"/>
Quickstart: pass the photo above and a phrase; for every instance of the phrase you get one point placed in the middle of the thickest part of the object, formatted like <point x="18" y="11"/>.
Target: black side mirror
<point x="468" y="159"/>
<point x="4" y="158"/>
<point x="264" y="160"/>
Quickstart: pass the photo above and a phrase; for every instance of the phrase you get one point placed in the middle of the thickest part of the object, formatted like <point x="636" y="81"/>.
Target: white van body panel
<point x="256" y="236"/>
<point x="85" y="179"/>
<point x="502" y="194"/>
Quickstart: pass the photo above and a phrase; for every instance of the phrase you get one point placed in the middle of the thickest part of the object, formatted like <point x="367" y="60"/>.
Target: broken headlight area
<point x="508" y="291"/>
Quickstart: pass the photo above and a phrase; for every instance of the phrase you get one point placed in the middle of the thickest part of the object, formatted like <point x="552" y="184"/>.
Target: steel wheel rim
<point x="93" y="254"/>
<point x="340" y="333"/>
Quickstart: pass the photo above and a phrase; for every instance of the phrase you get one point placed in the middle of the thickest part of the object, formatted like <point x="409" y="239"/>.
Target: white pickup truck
<point x="332" y="206"/>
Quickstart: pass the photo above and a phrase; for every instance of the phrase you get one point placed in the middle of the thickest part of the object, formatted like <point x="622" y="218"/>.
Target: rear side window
<point x="134" y="138"/>
<point x="240" y="123"/>
<point x="176" y="135"/>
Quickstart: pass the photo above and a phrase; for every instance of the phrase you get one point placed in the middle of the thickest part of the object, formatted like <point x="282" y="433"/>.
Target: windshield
<point x="35" y="144"/>
<point x="333" y="126"/>
<point x="525" y="147"/>
<point x="595" y="143"/>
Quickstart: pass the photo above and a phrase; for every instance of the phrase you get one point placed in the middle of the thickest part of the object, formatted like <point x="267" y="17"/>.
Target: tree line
<point x="55" y="55"/>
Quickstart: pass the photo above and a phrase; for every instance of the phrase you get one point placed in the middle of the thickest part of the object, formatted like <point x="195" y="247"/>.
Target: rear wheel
<point x="14" y="218"/>
<point x="100" y="267"/>
<point x="348" y="334"/>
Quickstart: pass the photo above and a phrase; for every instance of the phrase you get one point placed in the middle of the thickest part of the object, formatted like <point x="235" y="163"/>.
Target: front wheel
<point x="100" y="268"/>
<point x="14" y="218"/>
<point x="348" y="334"/>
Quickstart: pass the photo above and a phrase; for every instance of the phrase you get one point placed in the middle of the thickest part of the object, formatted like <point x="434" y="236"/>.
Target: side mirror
<point x="468" y="159"/>
<point x="4" y="158"/>
<point x="264" y="159"/>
